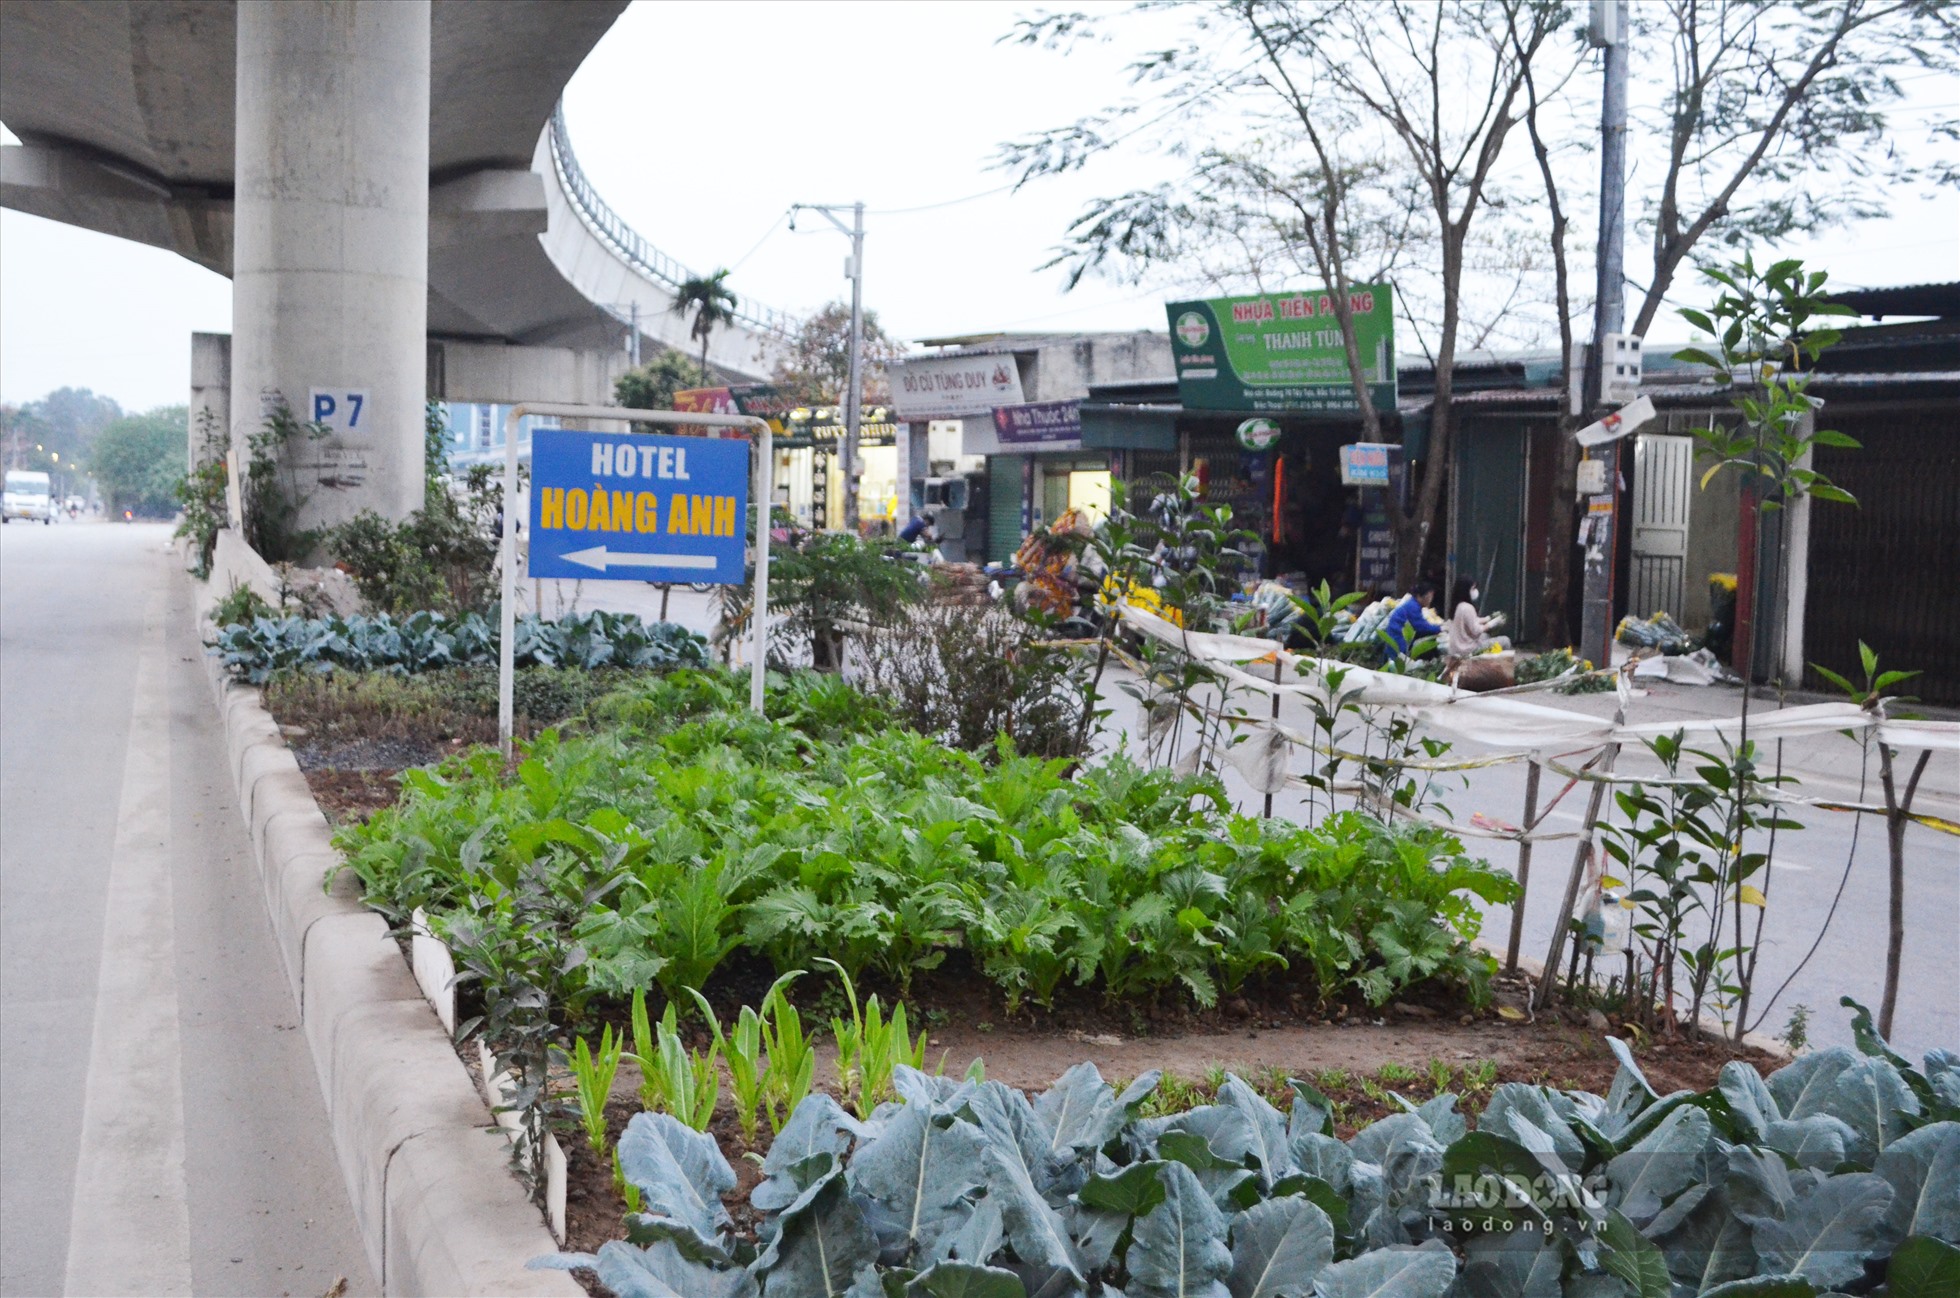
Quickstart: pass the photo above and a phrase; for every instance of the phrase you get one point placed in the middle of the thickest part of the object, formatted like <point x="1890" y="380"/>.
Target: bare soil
<point x="351" y="796"/>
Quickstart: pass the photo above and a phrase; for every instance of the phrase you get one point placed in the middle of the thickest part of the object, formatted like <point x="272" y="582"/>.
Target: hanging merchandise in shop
<point x="1279" y="352"/>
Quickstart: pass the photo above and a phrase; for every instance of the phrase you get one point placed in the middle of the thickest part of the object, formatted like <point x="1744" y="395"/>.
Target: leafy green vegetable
<point x="686" y="829"/>
<point x="258" y="649"/>
<point x="972" y="1188"/>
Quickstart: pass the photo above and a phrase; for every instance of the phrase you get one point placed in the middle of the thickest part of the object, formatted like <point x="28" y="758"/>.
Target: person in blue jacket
<point x="1406" y="624"/>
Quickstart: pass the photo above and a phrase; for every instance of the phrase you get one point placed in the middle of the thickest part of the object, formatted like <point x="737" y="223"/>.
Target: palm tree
<point x="708" y="297"/>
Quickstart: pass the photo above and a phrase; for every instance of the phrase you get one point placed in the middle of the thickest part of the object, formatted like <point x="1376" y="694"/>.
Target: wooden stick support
<point x="1581" y="857"/>
<point x="1524" y="866"/>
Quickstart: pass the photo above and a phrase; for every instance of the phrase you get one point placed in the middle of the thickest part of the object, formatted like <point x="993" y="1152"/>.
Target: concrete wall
<point x="1060" y="370"/>
<point x="210" y="396"/>
<point x="495" y="373"/>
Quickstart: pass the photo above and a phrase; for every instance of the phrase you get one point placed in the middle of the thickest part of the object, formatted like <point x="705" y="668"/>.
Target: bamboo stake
<point x="1524" y="867"/>
<point x="1581" y="858"/>
<point x="1276" y="681"/>
<point x="1896" y="811"/>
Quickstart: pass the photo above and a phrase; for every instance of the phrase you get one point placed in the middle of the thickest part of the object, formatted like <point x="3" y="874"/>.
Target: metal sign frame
<point x="682" y="422"/>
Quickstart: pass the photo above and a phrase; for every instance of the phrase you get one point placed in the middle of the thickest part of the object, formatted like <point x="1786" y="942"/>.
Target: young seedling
<point x="645" y="1047"/>
<point x="870" y="1047"/>
<point x="672" y="1079"/>
<point x="594" y="1075"/>
<point x="627" y="1190"/>
<point x="792" y="1055"/>
<point x="748" y="1074"/>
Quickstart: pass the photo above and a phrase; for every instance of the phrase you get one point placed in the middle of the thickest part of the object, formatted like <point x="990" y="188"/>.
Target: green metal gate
<point x="1487" y="523"/>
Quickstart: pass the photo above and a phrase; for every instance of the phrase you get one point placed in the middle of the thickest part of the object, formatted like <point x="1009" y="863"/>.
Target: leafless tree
<point x="1368" y="133"/>
<point x="1778" y="119"/>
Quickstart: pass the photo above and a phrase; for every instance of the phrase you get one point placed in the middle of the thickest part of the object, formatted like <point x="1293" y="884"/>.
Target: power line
<point x="933" y="207"/>
<point x="773" y="227"/>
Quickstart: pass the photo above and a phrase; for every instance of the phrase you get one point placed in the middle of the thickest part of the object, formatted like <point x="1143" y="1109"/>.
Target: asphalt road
<point x="1828" y="879"/>
<point x="163" y="1130"/>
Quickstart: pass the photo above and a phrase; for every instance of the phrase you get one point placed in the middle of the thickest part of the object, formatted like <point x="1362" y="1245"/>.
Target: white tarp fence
<point x="1499" y="720"/>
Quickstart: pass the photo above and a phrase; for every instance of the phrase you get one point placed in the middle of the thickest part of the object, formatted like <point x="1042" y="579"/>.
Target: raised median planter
<point x="426" y="1163"/>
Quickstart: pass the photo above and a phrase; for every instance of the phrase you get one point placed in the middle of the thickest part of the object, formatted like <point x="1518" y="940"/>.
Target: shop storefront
<point x="811" y="467"/>
<point x="808" y="473"/>
<point x="1016" y="401"/>
<point x="1282" y="477"/>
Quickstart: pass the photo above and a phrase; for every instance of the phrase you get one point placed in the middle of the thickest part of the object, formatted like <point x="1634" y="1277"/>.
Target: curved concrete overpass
<point x="126" y="111"/>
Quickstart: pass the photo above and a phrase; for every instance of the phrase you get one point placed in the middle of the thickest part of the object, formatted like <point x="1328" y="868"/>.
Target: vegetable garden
<point x="1841" y="1173"/>
<point x="710" y="932"/>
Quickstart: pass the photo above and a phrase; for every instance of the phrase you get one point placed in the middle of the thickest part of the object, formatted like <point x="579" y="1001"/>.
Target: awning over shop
<point x="1129" y="426"/>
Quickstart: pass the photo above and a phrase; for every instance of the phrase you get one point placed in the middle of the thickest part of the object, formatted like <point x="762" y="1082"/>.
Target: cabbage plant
<point x="1839" y="1173"/>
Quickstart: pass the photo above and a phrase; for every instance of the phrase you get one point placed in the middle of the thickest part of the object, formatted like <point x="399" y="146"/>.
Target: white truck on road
<point x="28" y="496"/>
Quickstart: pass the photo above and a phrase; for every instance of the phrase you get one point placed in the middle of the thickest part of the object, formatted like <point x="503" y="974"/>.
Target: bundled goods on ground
<point x="962" y="584"/>
<point x="1660" y="632"/>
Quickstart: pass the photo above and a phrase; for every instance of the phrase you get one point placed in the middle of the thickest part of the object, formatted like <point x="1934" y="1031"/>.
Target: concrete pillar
<point x="210" y="411"/>
<point x="331" y="260"/>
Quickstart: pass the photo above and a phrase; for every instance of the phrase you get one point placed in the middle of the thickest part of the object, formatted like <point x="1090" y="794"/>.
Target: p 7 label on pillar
<point x="631" y="507"/>
<point x="341" y="409"/>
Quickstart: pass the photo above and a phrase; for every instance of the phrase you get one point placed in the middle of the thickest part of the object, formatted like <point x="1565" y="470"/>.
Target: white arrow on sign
<point x="598" y="557"/>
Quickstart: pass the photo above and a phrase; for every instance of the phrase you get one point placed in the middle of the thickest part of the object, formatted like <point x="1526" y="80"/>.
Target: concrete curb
<point x="426" y="1165"/>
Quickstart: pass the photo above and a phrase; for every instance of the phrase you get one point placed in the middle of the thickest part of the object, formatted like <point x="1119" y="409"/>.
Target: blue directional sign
<point x="633" y="507"/>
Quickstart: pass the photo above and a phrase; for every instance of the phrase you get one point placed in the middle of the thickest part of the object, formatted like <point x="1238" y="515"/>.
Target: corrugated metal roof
<point x="1939" y="300"/>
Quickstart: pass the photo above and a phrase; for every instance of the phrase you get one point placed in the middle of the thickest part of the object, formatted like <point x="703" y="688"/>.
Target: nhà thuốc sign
<point x="1283" y="352"/>
<point x="1040" y="423"/>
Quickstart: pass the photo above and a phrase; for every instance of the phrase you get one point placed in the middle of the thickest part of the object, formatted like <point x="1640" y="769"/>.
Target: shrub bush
<point x="969" y="674"/>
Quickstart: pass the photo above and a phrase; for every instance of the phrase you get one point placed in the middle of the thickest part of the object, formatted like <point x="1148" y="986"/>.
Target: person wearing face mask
<point x="1467" y="634"/>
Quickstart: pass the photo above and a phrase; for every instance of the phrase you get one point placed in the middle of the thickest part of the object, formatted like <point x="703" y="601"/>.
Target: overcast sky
<point x="702" y="123"/>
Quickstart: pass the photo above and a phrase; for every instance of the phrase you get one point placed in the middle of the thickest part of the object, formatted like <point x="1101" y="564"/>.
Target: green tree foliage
<point x="830" y="579"/>
<point x="817" y="368"/>
<point x="713" y="305"/>
<point x="64" y="423"/>
<point x="444" y="557"/>
<point x="140" y="459"/>
<point x="652" y="386"/>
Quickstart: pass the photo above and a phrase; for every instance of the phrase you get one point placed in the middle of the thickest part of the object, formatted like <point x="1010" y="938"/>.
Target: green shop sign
<point x="1282" y="351"/>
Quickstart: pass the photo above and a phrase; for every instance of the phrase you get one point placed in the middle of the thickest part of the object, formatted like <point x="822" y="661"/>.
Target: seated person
<point x="1468" y="634"/>
<point x="1407" y="623"/>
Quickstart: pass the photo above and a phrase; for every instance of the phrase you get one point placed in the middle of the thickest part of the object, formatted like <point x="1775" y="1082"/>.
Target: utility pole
<point x="633" y="339"/>
<point x="1598" y="531"/>
<point x="854" y="385"/>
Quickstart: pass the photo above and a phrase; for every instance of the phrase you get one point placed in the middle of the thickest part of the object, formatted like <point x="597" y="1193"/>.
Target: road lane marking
<point x="129" y="1227"/>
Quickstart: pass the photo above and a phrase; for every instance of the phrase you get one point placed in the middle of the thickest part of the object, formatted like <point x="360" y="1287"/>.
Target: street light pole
<point x="854" y="385"/>
<point x="1608" y="30"/>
